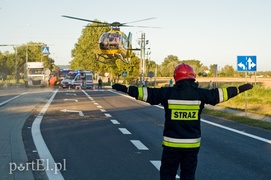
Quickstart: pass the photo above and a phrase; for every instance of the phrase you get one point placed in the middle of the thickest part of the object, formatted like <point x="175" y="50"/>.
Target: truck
<point x="34" y="74"/>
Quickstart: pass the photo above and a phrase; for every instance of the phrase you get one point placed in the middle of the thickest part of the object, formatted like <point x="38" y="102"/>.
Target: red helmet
<point x="184" y="71"/>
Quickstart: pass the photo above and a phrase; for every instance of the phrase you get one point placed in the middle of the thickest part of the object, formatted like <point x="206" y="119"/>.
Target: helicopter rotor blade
<point x="114" y="24"/>
<point x="71" y="17"/>
<point x="105" y="25"/>
<point x="138" y="21"/>
<point x="141" y="26"/>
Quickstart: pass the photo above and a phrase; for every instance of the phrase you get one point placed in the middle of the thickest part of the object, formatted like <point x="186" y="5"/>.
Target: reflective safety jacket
<point x="183" y="104"/>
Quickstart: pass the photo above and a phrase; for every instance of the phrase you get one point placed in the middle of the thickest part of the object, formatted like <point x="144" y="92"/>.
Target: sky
<point x="211" y="31"/>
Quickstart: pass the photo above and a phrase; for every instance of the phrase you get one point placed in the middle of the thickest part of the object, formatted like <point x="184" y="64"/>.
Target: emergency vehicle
<point x="78" y="79"/>
<point x="83" y="79"/>
<point x="67" y="81"/>
<point x="61" y="74"/>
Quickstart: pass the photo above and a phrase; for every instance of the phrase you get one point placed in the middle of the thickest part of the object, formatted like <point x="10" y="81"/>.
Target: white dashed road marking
<point x="157" y="164"/>
<point x="124" y="131"/>
<point x="114" y="121"/>
<point x="107" y="115"/>
<point x="139" y="145"/>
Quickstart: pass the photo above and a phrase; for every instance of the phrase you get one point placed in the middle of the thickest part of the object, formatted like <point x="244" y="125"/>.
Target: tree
<point x="227" y="71"/>
<point x="30" y="52"/>
<point x="196" y="64"/>
<point x="7" y="63"/>
<point x="168" y="66"/>
<point x="85" y="49"/>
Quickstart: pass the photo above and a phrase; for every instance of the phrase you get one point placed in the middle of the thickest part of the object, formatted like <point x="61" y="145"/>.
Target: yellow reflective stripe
<point x="177" y="140"/>
<point x="181" y="145"/>
<point x="140" y="93"/>
<point x="177" y="106"/>
<point x="223" y="94"/>
<point x="182" y="102"/>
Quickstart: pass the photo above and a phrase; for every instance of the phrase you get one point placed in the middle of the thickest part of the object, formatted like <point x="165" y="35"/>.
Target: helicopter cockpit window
<point x="114" y="37"/>
<point x="104" y="38"/>
<point x="110" y="41"/>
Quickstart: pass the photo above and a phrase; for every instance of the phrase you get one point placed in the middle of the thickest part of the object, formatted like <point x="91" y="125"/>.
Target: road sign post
<point x="124" y="74"/>
<point x="246" y="64"/>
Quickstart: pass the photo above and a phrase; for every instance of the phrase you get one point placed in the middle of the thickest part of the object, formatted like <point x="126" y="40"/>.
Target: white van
<point x="88" y="79"/>
<point x="67" y="81"/>
<point x="83" y="79"/>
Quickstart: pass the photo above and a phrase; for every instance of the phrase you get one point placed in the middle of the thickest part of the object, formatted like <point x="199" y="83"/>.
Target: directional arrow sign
<point x="66" y="110"/>
<point x="242" y="66"/>
<point x="70" y="100"/>
<point x="246" y="63"/>
<point x="73" y="94"/>
<point x="250" y="63"/>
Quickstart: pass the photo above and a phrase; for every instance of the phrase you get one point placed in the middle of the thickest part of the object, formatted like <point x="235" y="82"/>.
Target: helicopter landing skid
<point x="107" y="58"/>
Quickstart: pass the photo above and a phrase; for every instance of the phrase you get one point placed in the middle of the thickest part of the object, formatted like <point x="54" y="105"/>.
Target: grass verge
<point x="239" y="119"/>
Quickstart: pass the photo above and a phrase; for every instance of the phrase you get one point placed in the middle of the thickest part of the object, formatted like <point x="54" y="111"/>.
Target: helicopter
<point x="114" y="44"/>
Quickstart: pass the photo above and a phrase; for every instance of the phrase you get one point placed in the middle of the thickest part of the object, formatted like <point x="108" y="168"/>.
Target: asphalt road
<point x="102" y="135"/>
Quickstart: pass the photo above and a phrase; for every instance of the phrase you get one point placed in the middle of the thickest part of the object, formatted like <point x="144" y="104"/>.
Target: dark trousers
<point x="173" y="158"/>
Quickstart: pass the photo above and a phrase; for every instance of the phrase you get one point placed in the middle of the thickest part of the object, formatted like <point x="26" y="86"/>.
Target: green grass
<point x="258" y="101"/>
<point x="239" y="119"/>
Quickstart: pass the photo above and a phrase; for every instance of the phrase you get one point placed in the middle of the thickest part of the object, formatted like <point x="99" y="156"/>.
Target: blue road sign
<point x="45" y="49"/>
<point x="246" y="63"/>
<point x="124" y="73"/>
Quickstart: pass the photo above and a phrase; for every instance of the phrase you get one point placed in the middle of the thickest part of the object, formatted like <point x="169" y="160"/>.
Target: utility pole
<point x="142" y="57"/>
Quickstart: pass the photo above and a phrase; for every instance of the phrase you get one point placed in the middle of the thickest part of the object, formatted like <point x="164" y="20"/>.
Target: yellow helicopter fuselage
<point x="113" y="43"/>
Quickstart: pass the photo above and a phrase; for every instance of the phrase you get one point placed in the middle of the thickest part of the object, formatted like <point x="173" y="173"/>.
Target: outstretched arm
<point x="219" y="95"/>
<point x="131" y="90"/>
<point x="150" y="95"/>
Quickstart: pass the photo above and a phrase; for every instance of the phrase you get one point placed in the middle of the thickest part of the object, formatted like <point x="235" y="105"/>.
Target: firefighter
<point x="183" y="104"/>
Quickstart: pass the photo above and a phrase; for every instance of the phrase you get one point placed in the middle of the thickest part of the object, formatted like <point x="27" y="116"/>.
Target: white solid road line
<point x="231" y="129"/>
<point x="237" y="131"/>
<point x="2" y="103"/>
<point x="42" y="149"/>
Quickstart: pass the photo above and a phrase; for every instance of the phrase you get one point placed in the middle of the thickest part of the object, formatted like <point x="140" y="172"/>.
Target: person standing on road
<point x="100" y="83"/>
<point x="183" y="104"/>
<point x="170" y="83"/>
